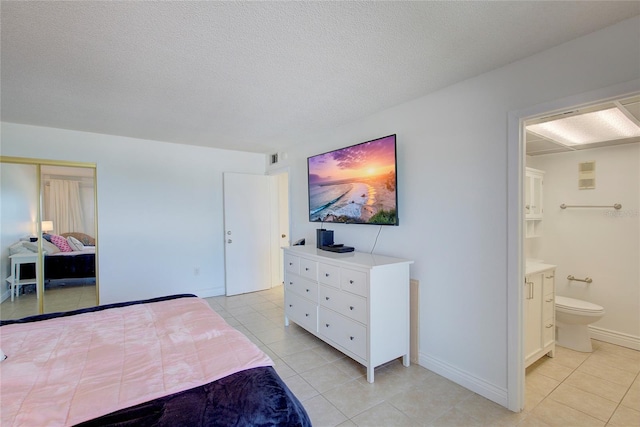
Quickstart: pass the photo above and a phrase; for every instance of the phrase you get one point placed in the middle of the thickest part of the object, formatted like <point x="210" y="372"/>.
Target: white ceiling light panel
<point x="588" y="128"/>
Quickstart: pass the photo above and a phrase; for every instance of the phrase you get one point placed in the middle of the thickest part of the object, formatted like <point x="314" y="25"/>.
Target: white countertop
<point x="355" y="258"/>
<point x="537" y="267"/>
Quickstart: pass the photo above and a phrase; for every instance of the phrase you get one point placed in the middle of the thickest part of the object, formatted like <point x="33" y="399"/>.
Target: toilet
<point x="573" y="317"/>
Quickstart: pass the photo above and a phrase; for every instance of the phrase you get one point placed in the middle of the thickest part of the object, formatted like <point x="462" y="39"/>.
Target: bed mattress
<point x="121" y="383"/>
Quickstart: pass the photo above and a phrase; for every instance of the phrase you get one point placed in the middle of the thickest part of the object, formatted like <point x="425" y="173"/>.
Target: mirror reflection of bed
<point x="68" y="228"/>
<point x="69" y="276"/>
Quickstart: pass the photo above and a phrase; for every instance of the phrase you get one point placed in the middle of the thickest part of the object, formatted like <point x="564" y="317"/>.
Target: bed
<point x="78" y="262"/>
<point x="166" y="361"/>
<point x="71" y="265"/>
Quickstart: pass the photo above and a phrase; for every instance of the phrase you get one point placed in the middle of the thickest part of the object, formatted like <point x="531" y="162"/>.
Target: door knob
<point x="284" y="235"/>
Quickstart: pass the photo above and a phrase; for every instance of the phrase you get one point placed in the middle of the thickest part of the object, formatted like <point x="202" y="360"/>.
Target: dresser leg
<point x="405" y="360"/>
<point x="370" y="370"/>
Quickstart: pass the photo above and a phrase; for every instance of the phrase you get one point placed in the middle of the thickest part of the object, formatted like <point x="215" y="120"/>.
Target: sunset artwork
<point x="356" y="184"/>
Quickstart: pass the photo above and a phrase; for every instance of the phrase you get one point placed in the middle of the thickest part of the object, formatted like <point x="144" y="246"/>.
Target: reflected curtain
<point x="64" y="206"/>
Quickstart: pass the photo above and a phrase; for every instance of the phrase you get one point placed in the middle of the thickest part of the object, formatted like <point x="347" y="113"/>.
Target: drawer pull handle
<point x="307" y="290"/>
<point x="327" y="298"/>
<point x="326" y="274"/>
<point x="549" y="277"/>
<point x="549" y="300"/>
<point x="350" y="307"/>
<point x="306" y="268"/>
<point x="291" y="283"/>
<point x="290" y="263"/>
<point x="326" y="324"/>
<point x="351" y="338"/>
<point x="290" y="305"/>
<point x="306" y="315"/>
<point x="549" y="325"/>
<point x="351" y="282"/>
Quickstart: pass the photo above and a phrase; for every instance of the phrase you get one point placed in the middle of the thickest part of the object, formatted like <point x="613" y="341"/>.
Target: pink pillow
<point x="61" y="243"/>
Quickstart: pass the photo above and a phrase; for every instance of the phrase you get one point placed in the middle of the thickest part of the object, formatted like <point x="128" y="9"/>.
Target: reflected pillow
<point x="75" y="244"/>
<point x="19" y="248"/>
<point x="48" y="248"/>
<point x="61" y="243"/>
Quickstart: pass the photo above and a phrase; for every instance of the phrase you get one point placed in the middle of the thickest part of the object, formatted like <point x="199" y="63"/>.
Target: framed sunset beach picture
<point x="355" y="184"/>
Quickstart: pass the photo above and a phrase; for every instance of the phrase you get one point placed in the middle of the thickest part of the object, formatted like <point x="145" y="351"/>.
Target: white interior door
<point x="282" y="224"/>
<point x="247" y="232"/>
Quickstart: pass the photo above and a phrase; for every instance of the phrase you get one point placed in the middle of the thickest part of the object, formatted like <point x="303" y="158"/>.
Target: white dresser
<point x="356" y="302"/>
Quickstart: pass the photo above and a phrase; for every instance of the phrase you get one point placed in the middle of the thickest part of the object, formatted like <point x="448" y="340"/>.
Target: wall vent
<point x="273" y="159"/>
<point x="587" y="175"/>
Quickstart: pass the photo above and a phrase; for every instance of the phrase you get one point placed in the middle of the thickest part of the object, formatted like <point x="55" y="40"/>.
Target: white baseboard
<point x="613" y="337"/>
<point x="465" y="379"/>
<point x="6" y="294"/>
<point x="210" y="292"/>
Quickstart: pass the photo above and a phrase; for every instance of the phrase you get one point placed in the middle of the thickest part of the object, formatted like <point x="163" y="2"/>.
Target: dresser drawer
<point x="308" y="269"/>
<point x="301" y="286"/>
<point x="345" y="332"/>
<point x="354" y="282"/>
<point x="352" y="306"/>
<point x="301" y="311"/>
<point x="329" y="274"/>
<point x="291" y="263"/>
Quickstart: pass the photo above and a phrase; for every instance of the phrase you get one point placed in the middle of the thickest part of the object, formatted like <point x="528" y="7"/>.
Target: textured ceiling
<point x="262" y="75"/>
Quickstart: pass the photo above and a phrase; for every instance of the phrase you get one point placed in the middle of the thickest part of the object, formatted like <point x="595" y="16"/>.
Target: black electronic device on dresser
<point x="324" y="241"/>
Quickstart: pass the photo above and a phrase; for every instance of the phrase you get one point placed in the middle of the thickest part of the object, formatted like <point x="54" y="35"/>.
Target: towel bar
<point x="586" y="279"/>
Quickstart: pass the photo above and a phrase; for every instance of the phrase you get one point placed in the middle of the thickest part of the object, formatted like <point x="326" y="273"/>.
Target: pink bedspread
<point x="67" y="370"/>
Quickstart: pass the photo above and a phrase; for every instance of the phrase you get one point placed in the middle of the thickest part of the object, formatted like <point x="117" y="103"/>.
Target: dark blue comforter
<point x="255" y="397"/>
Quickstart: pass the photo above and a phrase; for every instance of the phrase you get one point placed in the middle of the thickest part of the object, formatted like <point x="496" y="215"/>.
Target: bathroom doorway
<point x="587" y="210"/>
<point x="517" y="242"/>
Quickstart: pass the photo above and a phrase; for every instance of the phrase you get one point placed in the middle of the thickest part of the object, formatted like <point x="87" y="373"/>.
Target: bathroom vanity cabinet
<point x="356" y="302"/>
<point x="533" y="209"/>
<point x="539" y="312"/>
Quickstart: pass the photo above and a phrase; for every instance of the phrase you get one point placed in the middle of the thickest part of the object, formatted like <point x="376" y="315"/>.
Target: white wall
<point x="452" y="181"/>
<point x="160" y="212"/>
<point x="603" y="244"/>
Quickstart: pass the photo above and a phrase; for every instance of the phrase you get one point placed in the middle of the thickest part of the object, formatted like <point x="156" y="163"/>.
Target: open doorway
<point x="519" y="247"/>
<point x="581" y="246"/>
<point x="281" y="232"/>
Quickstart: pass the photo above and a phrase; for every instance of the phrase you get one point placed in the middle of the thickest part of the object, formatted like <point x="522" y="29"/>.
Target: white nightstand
<point x="16" y="262"/>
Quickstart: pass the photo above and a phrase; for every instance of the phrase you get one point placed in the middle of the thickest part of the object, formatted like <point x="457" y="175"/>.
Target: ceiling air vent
<point x="587" y="175"/>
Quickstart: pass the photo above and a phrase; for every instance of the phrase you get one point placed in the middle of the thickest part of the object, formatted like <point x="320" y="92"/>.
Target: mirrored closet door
<point x="48" y="237"/>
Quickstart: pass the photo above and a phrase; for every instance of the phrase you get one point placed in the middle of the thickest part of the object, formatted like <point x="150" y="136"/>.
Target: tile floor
<point x="572" y="389"/>
<point x="57" y="298"/>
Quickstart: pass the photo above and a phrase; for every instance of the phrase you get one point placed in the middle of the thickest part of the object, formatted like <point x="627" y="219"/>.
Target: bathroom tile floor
<point x="572" y="389"/>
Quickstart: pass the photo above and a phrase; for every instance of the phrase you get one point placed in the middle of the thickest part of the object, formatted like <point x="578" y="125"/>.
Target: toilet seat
<point x="573" y="305"/>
